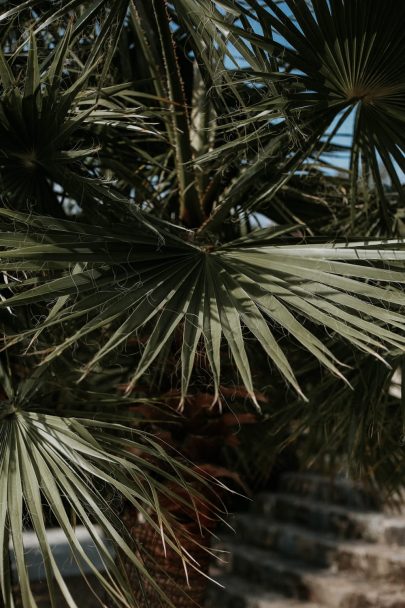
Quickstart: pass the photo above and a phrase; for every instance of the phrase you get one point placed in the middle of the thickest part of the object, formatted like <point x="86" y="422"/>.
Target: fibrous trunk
<point x="166" y="566"/>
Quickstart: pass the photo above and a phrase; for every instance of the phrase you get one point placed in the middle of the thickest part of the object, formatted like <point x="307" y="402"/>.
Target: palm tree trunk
<point x="167" y="568"/>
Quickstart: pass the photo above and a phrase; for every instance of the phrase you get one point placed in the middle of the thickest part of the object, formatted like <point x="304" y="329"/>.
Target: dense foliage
<point x="176" y="220"/>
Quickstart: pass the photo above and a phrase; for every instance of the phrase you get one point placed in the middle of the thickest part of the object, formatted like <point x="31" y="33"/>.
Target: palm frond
<point x="167" y="125"/>
<point x="101" y="22"/>
<point x="65" y="462"/>
<point x="360" y="430"/>
<point x="129" y="277"/>
<point x="55" y="129"/>
<point x="317" y="62"/>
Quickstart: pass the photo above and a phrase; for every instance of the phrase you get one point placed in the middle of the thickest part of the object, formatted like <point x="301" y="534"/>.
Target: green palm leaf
<point x="130" y="277"/>
<point x="65" y="462"/>
<point x="318" y="62"/>
<point x="53" y="128"/>
<point x="361" y="428"/>
<point x="110" y="21"/>
<point x="143" y="112"/>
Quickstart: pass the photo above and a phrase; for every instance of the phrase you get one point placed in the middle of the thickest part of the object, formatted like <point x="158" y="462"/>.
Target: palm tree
<point x="170" y="206"/>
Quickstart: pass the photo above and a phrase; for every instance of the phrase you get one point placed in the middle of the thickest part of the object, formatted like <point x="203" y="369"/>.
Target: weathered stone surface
<point x="241" y="594"/>
<point x="373" y="560"/>
<point x="319" y="545"/>
<point x="269" y="569"/>
<point x="351" y="592"/>
<point x="330" y="518"/>
<point x="296" y="579"/>
<point x="338" y="490"/>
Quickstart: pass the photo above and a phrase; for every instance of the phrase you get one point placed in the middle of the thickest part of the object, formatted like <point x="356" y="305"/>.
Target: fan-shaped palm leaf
<point x="65" y="461"/>
<point x="320" y="61"/>
<point x="154" y="38"/>
<point x="126" y="277"/>
<point x="99" y="18"/>
<point x="49" y="125"/>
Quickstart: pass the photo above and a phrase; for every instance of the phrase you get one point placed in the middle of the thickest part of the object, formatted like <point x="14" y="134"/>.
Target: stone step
<point x="341" y="521"/>
<point x="337" y="490"/>
<point x="296" y="579"/>
<point x="374" y="561"/>
<point x="238" y="593"/>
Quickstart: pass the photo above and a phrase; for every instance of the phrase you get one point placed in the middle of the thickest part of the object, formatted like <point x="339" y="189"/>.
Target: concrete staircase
<point x="314" y="543"/>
